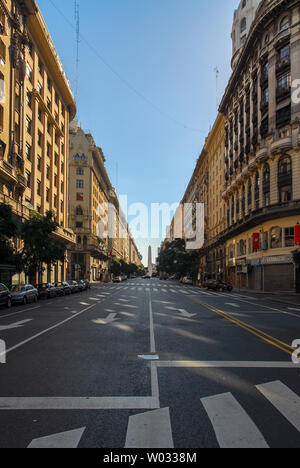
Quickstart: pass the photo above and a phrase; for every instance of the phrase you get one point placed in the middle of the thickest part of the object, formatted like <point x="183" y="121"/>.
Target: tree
<point x="9" y="229"/>
<point x="115" y="267"/>
<point x="39" y="246"/>
<point x="174" y="258"/>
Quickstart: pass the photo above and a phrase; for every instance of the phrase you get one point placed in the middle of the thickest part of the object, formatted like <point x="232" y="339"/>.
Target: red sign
<point x="297" y="235"/>
<point x="256" y="243"/>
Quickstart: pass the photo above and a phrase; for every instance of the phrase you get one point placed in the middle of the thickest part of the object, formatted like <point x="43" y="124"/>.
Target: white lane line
<point x="78" y="403"/>
<point x="20" y="312"/>
<point x="232" y="305"/>
<point x="150" y="430"/>
<point x="228" y="364"/>
<point x="152" y="337"/>
<point x="232" y="426"/>
<point x="64" y="440"/>
<point x="284" y="400"/>
<point x="297" y="310"/>
<point x="48" y="329"/>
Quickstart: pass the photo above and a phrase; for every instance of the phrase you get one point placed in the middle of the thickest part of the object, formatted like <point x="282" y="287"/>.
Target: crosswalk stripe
<point x="232" y="426"/>
<point x="69" y="439"/>
<point x="284" y="399"/>
<point x="150" y="430"/>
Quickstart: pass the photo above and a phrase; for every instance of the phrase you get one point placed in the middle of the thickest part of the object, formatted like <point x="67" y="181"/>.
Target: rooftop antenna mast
<point x="216" y="70"/>
<point x="77" y="19"/>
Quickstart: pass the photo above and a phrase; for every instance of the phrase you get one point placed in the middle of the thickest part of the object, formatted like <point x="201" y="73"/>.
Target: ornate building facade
<point x="262" y="157"/>
<point x="36" y="105"/>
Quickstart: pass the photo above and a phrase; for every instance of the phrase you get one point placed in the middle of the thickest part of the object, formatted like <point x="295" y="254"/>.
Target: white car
<point x="187" y="280"/>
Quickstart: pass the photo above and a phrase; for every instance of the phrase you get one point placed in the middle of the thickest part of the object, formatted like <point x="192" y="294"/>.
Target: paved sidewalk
<point x="280" y="297"/>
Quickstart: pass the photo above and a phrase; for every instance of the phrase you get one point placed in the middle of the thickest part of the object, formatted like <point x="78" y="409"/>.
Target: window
<point x="29" y="72"/>
<point x="79" y="183"/>
<point x="28" y="125"/>
<point x="47" y="195"/>
<point x="285" y="194"/>
<point x="79" y="211"/>
<point x="285" y="166"/>
<point x="40" y="66"/>
<point x="257" y="190"/>
<point x="79" y="171"/>
<point x="55" y="180"/>
<point x="243" y="39"/>
<point x="284" y="24"/>
<point x="276" y="238"/>
<point x="28" y="179"/>
<point x="28" y="99"/>
<point x="39" y="164"/>
<point x="79" y="225"/>
<point x="40" y="139"/>
<point x="266" y="185"/>
<point x="243" y="25"/>
<point x="284" y="53"/>
<point x="2" y="52"/>
<point x="289" y="237"/>
<point x="79" y="196"/>
<point x="48" y="172"/>
<point x="38" y="188"/>
<point x="28" y="152"/>
<point x="39" y="88"/>
<point x="284" y="82"/>
<point x="40" y="115"/>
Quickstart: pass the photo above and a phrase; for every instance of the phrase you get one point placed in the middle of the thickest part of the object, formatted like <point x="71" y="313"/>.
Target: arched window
<point x="249" y="194"/>
<point x="78" y="239"/>
<point x="257" y="190"/>
<point x="285" y="166"/>
<point x="79" y="211"/>
<point x="243" y="25"/>
<point x="266" y="185"/>
<point x="285" y="180"/>
<point x="284" y="23"/>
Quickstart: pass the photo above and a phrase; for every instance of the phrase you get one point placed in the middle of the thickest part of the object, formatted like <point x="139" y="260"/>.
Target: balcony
<point x="18" y="209"/>
<point x="7" y="171"/>
<point x="281" y="144"/>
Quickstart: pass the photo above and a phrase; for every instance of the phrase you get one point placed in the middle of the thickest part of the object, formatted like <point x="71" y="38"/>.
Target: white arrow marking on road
<point x="186" y="314"/>
<point x="15" y="325"/>
<point x="69" y="439"/>
<point x="233" y="305"/>
<point x="150" y="430"/>
<point x="111" y="318"/>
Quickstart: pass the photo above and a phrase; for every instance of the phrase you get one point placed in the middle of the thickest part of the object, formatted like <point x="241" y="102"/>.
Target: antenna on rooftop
<point x="77" y="19"/>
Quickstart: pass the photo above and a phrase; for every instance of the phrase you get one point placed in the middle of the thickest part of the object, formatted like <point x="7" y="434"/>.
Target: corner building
<point x="262" y="155"/>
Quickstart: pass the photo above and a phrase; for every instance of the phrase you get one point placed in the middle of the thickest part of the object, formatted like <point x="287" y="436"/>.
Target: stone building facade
<point x="262" y="157"/>
<point x="36" y="105"/>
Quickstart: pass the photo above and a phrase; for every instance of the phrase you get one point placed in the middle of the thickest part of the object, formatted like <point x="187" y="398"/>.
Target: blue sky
<point x="164" y="50"/>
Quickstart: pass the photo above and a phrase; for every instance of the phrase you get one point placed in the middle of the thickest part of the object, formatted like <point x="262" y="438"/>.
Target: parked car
<point x="187" y="280"/>
<point x="74" y="287"/>
<point x="63" y="289"/>
<point x="46" y="290"/>
<point x="87" y="284"/>
<point x="124" y="277"/>
<point x="24" y="293"/>
<point x="81" y="286"/>
<point x="215" y="285"/>
<point x="117" y="279"/>
<point x="5" y="296"/>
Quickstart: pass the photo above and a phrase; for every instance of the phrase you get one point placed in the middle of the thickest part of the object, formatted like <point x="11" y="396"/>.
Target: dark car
<point x="46" y="290"/>
<point x="63" y="289"/>
<point x="5" y="296"/>
<point x="87" y="284"/>
<point x="81" y="286"/>
<point x="24" y="293"/>
<point x="215" y="285"/>
<point x="74" y="286"/>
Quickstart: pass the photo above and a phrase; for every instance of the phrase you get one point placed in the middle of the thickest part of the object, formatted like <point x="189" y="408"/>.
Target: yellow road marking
<point x="254" y="331"/>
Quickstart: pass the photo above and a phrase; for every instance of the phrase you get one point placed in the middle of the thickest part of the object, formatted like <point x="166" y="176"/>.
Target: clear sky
<point x="147" y="86"/>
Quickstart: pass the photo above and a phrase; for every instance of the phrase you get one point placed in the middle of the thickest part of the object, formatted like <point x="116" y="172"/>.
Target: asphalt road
<point x="150" y="364"/>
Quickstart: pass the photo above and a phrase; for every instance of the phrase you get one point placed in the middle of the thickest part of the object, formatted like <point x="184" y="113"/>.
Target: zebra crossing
<point x="229" y="420"/>
<point x="167" y="289"/>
